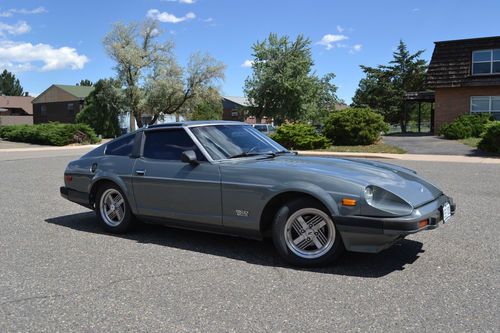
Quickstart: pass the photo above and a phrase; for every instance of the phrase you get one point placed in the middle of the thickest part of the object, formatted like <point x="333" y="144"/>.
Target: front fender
<point x="311" y="189"/>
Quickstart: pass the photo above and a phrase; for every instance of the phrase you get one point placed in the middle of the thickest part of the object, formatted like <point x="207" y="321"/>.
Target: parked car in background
<point x="267" y="129"/>
<point x="227" y="177"/>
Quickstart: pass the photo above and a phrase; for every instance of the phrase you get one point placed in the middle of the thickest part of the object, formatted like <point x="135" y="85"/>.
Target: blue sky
<point x="46" y="42"/>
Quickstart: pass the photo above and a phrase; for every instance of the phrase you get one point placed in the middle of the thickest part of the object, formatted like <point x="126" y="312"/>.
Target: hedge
<point x="491" y="138"/>
<point x="466" y="126"/>
<point x="54" y="134"/>
<point x="354" y="126"/>
<point x="299" y="136"/>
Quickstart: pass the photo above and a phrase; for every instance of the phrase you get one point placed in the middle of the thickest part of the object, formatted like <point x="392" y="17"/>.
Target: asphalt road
<point x="432" y="145"/>
<point x="60" y="272"/>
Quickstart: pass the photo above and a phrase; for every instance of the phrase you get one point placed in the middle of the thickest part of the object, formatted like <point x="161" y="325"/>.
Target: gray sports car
<point x="227" y="177"/>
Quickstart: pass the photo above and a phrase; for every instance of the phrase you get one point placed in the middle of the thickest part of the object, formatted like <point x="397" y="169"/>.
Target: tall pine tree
<point x="9" y="85"/>
<point x="384" y="87"/>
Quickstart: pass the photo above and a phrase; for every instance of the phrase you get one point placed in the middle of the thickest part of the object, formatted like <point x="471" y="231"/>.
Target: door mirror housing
<point x="189" y="156"/>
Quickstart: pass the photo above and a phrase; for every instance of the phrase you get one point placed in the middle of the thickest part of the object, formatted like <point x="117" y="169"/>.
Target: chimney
<point x="26" y="94"/>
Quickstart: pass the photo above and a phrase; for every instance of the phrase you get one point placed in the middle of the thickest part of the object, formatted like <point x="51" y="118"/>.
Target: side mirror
<point x="189" y="156"/>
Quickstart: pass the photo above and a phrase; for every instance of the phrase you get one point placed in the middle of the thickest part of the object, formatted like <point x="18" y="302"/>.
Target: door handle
<point x="140" y="172"/>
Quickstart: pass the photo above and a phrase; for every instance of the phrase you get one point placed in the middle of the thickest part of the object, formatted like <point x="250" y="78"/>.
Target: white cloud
<point x="247" y="63"/>
<point x="355" y="48"/>
<point x="19" y="28"/>
<point x="415" y="10"/>
<point x="167" y="17"/>
<point x="24" y="56"/>
<point x="340" y="29"/>
<point x="208" y="20"/>
<point x="12" y="11"/>
<point x="329" y="40"/>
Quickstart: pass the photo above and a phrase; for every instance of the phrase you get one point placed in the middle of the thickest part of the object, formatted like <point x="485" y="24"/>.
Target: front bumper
<point x="374" y="234"/>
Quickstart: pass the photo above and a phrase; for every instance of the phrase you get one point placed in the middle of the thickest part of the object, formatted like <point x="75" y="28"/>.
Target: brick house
<point x="234" y="109"/>
<point x="59" y="103"/>
<point x="16" y="110"/>
<point x="465" y="75"/>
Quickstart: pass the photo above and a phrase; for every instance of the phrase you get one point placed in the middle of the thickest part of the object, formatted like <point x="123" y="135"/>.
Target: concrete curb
<point x="401" y="157"/>
<point x="28" y="149"/>
<point x="408" y="157"/>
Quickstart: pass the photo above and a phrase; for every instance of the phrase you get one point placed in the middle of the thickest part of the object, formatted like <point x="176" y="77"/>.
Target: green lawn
<point x="374" y="148"/>
<point x="473" y="142"/>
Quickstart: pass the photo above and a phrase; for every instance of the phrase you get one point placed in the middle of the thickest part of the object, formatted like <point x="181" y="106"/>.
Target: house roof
<point x="451" y="63"/>
<point x="63" y="93"/>
<point x="80" y="92"/>
<point x="17" y="102"/>
<point x="242" y="101"/>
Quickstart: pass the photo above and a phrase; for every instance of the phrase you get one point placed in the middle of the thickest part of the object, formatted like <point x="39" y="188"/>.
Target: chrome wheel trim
<point x="112" y="207"/>
<point x="309" y="233"/>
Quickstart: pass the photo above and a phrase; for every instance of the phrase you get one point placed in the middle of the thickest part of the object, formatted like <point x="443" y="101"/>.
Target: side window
<point x="169" y="145"/>
<point x="121" y="147"/>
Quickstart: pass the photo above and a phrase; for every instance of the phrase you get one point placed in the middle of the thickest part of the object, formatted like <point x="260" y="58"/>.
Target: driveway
<point x="60" y="272"/>
<point x="430" y="145"/>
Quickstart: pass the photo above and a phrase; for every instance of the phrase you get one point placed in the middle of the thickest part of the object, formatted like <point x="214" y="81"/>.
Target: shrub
<point x="300" y="136"/>
<point x="491" y="138"/>
<point x="49" y="134"/>
<point x="354" y="126"/>
<point x="455" y="130"/>
<point x="465" y="126"/>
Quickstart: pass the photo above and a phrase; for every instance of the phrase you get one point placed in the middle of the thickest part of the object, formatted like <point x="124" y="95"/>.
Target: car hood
<point x="402" y="182"/>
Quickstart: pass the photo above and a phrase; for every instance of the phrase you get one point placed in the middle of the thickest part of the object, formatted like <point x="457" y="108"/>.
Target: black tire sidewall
<point x="127" y="222"/>
<point x="279" y="224"/>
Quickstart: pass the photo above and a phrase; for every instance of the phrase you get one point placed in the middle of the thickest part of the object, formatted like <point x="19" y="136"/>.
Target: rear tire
<point x="112" y="209"/>
<point x="304" y="234"/>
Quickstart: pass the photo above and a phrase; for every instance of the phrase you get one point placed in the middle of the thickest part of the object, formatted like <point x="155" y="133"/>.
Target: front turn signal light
<point x="423" y="223"/>
<point x="348" y="202"/>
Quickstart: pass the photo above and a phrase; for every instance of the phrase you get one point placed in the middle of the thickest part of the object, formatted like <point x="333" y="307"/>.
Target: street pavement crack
<point x="109" y="284"/>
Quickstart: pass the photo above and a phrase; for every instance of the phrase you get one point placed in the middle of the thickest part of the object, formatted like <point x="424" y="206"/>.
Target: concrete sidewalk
<point x="407" y="157"/>
<point x="401" y="157"/>
<point x="29" y="148"/>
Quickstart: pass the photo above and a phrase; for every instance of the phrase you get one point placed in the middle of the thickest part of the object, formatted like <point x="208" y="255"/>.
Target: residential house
<point x="234" y="109"/>
<point x="465" y="75"/>
<point x="16" y="110"/>
<point x="59" y="103"/>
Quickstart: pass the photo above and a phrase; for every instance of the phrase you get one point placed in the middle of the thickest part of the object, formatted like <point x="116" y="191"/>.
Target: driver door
<point x="165" y="187"/>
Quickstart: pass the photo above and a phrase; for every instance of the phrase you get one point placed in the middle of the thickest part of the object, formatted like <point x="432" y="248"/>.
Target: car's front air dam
<point x="374" y="234"/>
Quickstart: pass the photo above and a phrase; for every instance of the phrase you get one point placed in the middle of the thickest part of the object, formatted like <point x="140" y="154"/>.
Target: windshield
<point x="229" y="141"/>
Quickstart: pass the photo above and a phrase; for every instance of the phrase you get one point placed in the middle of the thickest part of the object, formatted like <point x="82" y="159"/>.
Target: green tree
<point x="85" y="83"/>
<point x="209" y="107"/>
<point x="170" y="89"/>
<point x="102" y="108"/>
<point x="384" y="87"/>
<point x="324" y="100"/>
<point x="9" y="85"/>
<point x="283" y="85"/>
<point x="155" y="84"/>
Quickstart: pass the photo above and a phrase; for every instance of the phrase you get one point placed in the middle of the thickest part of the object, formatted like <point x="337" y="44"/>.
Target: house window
<point x="235" y="113"/>
<point x="43" y="110"/>
<point x="71" y="106"/>
<point x="485" y="104"/>
<point x="486" y="62"/>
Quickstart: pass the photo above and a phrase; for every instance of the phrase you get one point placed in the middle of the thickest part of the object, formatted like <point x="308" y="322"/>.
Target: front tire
<point x="112" y="209"/>
<point x="304" y="234"/>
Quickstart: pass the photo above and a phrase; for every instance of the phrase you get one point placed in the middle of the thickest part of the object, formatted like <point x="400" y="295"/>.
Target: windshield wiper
<point x="244" y="154"/>
<point x="267" y="153"/>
